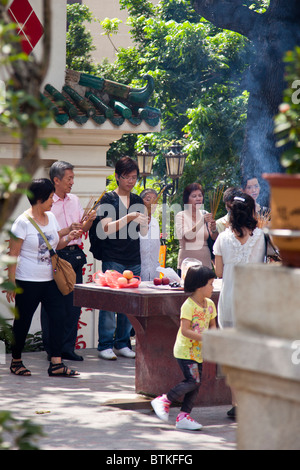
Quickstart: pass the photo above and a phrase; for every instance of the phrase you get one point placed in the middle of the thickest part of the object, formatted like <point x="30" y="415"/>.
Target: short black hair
<point x="197" y="276"/>
<point x="40" y="190"/>
<point x="126" y="165"/>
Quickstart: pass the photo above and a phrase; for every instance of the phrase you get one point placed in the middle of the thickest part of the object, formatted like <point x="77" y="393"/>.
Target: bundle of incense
<point x="89" y="209"/>
<point x="263" y="218"/>
<point x="215" y="200"/>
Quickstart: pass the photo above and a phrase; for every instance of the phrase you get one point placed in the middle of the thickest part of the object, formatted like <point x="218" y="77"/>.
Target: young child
<point x="198" y="313"/>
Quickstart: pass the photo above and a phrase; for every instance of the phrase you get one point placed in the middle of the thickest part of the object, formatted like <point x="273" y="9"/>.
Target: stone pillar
<point x="261" y="356"/>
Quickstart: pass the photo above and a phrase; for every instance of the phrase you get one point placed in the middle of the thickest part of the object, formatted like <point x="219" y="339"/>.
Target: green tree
<point x="79" y="40"/>
<point x="199" y="87"/>
<point x="198" y="72"/>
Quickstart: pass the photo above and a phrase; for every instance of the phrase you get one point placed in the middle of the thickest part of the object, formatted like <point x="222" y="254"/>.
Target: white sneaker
<point x="107" y="354"/>
<point x="161" y="406"/>
<point x="126" y="352"/>
<point x="188" y="424"/>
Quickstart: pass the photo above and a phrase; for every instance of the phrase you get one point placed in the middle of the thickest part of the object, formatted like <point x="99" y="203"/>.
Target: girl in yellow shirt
<point x="198" y="313"/>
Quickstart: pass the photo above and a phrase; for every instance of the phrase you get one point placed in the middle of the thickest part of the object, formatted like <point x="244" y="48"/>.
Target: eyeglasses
<point x="129" y="178"/>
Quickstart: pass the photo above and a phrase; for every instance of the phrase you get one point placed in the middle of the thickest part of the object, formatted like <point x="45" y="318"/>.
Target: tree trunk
<point x="272" y="33"/>
<point x="28" y="77"/>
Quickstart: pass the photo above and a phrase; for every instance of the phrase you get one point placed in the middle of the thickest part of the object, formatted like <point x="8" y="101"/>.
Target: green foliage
<point x="110" y="26"/>
<point x="198" y="77"/>
<point x="34" y="342"/>
<point x="9" y="41"/>
<point x="14" y="103"/>
<point x="10" y="180"/>
<point x="287" y="122"/>
<point x="16" y="434"/>
<point x="79" y="41"/>
<point x="136" y="7"/>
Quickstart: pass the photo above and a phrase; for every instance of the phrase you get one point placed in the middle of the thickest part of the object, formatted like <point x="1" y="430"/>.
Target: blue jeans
<point x="114" y="333"/>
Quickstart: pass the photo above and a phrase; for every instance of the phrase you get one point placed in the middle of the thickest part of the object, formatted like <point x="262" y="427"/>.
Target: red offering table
<point x="154" y="313"/>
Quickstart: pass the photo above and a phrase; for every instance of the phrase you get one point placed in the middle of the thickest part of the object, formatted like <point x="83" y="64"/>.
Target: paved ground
<point x="100" y="411"/>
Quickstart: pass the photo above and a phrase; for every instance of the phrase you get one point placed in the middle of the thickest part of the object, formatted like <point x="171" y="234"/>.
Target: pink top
<point x="67" y="211"/>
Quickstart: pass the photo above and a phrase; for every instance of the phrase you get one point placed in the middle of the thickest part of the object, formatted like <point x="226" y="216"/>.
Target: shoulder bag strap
<point x="52" y="252"/>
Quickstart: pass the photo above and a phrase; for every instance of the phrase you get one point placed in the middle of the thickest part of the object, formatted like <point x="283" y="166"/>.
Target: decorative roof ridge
<point x="85" y="97"/>
<point x="133" y="95"/>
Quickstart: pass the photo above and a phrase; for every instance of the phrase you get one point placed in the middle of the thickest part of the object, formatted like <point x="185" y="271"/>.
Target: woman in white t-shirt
<point x="33" y="275"/>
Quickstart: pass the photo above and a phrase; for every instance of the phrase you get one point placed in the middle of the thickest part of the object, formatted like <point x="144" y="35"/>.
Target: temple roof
<point x="87" y="97"/>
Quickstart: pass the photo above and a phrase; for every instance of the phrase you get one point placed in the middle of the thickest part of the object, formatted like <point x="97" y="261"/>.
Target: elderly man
<point x="68" y="212"/>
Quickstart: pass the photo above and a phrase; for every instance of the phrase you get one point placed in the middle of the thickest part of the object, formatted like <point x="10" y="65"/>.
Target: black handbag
<point x="210" y="243"/>
<point x="271" y="253"/>
<point x="95" y="241"/>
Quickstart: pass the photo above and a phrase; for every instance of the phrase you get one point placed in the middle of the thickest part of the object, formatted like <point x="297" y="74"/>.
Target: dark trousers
<point x="34" y="293"/>
<point x="189" y="387"/>
<point x="71" y="316"/>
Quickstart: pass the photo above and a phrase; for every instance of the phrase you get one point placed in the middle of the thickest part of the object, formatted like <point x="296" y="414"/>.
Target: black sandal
<point x="16" y="366"/>
<point x="64" y="373"/>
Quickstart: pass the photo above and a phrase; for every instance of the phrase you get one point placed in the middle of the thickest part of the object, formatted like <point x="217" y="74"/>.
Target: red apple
<point x="165" y="281"/>
<point x="157" y="281"/>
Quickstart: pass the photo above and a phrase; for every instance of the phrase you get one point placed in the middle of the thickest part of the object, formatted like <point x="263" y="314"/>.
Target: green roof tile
<point x="85" y="97"/>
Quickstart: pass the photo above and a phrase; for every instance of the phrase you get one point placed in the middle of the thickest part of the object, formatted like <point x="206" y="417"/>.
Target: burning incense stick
<point x="215" y="200"/>
<point x="160" y="193"/>
<point x="263" y="218"/>
<point x="89" y="209"/>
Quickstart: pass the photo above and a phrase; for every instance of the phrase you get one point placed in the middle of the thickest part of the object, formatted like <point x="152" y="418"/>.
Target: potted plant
<point x="285" y="188"/>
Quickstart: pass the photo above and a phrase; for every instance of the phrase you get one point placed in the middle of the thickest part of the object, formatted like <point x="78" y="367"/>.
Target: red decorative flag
<point x="29" y="26"/>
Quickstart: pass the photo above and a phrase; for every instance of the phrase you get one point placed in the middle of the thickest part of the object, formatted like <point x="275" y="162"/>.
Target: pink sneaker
<point x="161" y="406"/>
<point x="187" y="423"/>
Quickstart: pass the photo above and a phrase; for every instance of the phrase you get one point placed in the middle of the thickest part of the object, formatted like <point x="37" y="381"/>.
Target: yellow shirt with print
<point x="186" y="348"/>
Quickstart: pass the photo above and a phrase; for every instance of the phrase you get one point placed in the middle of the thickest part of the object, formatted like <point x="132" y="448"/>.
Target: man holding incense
<point x="70" y="216"/>
<point x="123" y="218"/>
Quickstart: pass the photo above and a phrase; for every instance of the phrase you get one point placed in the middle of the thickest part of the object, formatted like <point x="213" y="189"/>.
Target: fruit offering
<point x="127" y="279"/>
<point x="157" y="281"/>
<point x="128" y="274"/>
<point x="114" y="279"/>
